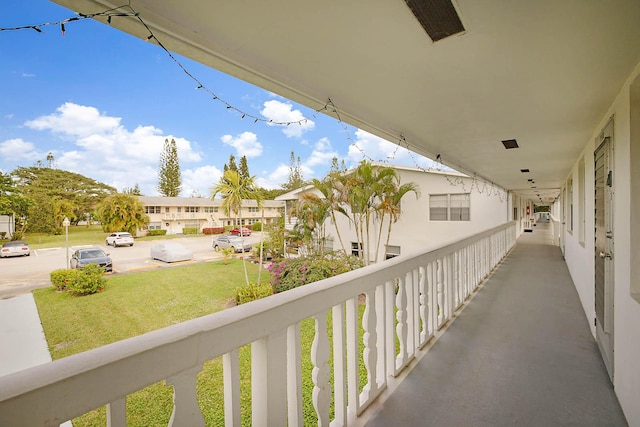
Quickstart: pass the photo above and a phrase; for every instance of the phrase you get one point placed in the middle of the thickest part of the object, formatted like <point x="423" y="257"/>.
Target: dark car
<point x="14" y="248"/>
<point x="82" y="257"/>
<point x="241" y="231"/>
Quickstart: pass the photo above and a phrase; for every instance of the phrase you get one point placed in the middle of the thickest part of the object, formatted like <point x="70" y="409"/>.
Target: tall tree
<point x="122" y="212"/>
<point x="169" y="178"/>
<point x="58" y="193"/>
<point x="133" y="191"/>
<point x="235" y="189"/>
<point x="295" y="178"/>
<point x="14" y="203"/>
<point x="243" y="170"/>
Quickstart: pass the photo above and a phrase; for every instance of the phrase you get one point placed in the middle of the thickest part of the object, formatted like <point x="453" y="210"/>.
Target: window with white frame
<point x="392" y="252"/>
<point x="254" y="209"/>
<point x="450" y="207"/>
<point x="208" y="209"/>
<point x="154" y="226"/>
<point x="355" y="248"/>
<point x="152" y="209"/>
<point x="192" y="209"/>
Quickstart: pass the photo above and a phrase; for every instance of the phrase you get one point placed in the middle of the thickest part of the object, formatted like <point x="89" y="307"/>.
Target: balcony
<point x="519" y="351"/>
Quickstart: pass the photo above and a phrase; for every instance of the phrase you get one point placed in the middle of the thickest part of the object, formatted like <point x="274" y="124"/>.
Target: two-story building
<point x="451" y="206"/>
<point x="174" y="214"/>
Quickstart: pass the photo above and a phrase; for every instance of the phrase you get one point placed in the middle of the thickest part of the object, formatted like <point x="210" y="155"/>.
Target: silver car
<point x="235" y="242"/>
<point x="119" y="239"/>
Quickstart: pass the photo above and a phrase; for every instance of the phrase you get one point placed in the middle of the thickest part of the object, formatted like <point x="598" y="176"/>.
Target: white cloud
<point x="201" y="179"/>
<point x="107" y="151"/>
<point x="282" y="112"/>
<point x="246" y="144"/>
<point x="373" y="148"/>
<point x="322" y="154"/>
<point x="275" y="179"/>
<point x="18" y="150"/>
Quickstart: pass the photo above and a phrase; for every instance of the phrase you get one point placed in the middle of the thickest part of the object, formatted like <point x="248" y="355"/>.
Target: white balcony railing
<point x="408" y="299"/>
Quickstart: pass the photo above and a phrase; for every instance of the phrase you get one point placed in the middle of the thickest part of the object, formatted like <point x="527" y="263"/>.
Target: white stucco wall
<point x="415" y="232"/>
<point x="580" y="259"/>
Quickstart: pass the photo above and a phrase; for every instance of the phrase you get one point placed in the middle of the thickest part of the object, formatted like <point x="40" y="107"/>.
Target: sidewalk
<point x="22" y="340"/>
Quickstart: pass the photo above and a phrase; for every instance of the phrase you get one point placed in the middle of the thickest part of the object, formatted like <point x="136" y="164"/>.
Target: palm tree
<point x="332" y="189"/>
<point x="365" y="185"/>
<point x="390" y="198"/>
<point x="234" y="189"/>
<point x="122" y="212"/>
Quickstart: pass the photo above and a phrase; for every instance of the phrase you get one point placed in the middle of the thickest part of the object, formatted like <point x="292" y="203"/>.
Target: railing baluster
<point x="425" y="333"/>
<point x="370" y="354"/>
<point x="117" y="413"/>
<point x="353" y="362"/>
<point x="294" y="377"/>
<point x="186" y="411"/>
<point x="320" y="374"/>
<point x="390" y="320"/>
<point x="339" y="366"/>
<point x="380" y="328"/>
<point x="231" y="376"/>
<point x="440" y="293"/>
<point x="268" y="380"/>
<point x="401" y="326"/>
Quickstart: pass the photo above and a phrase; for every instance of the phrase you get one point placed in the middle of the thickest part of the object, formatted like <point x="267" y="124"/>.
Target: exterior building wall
<point x="7" y="225"/>
<point x="580" y="255"/>
<point x="177" y="213"/>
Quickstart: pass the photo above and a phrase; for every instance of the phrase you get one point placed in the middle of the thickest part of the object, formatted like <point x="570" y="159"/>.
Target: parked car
<point x="170" y="252"/>
<point x="245" y="231"/>
<point x="235" y="242"/>
<point x="82" y="257"/>
<point x="14" y="248"/>
<point x="119" y="239"/>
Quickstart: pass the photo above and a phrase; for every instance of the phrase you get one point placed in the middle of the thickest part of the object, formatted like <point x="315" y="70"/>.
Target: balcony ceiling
<point x="542" y="72"/>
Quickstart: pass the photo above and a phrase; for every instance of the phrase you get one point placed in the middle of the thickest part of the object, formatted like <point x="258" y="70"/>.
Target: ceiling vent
<point x="510" y="143"/>
<point x="438" y="17"/>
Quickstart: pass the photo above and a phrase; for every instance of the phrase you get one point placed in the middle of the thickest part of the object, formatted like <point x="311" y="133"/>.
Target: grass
<point x="82" y="235"/>
<point x="137" y="303"/>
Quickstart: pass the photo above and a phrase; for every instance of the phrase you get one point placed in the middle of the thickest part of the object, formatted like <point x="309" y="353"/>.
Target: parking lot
<point x="22" y="274"/>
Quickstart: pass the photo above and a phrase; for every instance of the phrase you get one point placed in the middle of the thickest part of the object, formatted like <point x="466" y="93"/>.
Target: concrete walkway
<point x="520" y="354"/>
<point x="22" y="340"/>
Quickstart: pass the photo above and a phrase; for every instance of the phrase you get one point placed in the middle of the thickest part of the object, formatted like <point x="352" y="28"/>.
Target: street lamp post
<point x="65" y="223"/>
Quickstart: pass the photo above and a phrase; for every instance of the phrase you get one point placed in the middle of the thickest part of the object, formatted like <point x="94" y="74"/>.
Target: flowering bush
<point x="291" y="273"/>
<point x="85" y="281"/>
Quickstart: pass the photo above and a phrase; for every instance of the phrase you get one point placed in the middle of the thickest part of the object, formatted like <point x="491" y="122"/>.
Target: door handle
<point x="605" y="255"/>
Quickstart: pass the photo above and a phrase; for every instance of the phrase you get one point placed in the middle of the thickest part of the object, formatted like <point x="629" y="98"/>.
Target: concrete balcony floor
<point x="521" y="353"/>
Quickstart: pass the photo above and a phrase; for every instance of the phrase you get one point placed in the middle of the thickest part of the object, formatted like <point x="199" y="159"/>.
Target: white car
<point x="119" y="239"/>
<point x="14" y="248"/>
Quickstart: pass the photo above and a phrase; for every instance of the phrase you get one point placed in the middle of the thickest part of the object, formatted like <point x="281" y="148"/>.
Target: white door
<point x="604" y="246"/>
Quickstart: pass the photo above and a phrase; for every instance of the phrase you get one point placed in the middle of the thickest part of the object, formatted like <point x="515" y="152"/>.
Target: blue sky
<point x="103" y="102"/>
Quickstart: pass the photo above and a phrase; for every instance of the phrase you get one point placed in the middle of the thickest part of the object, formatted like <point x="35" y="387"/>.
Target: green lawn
<point x="81" y="235"/>
<point x="137" y="303"/>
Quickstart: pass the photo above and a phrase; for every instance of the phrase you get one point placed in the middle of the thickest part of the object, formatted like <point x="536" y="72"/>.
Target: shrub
<point x="293" y="272"/>
<point x="257" y="226"/>
<point x="252" y="292"/>
<point x="85" y="281"/>
<point x="60" y="279"/>
<point x="89" y="280"/>
<point x="213" y="230"/>
<point x="156" y="232"/>
<point x="190" y="230"/>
